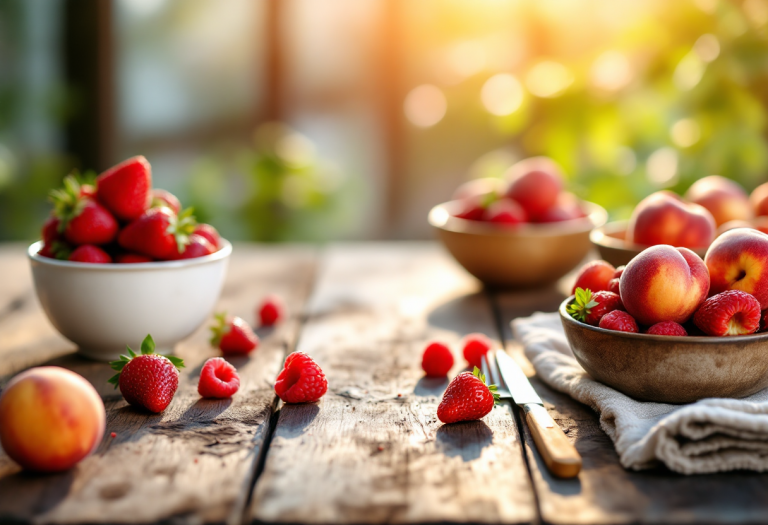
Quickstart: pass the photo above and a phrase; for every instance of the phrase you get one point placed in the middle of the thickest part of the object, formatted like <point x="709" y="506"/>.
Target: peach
<point x="759" y="200"/>
<point x="738" y="260"/>
<point x="725" y="199"/>
<point x="663" y="283"/>
<point x="50" y="419"/>
<point x="594" y="276"/>
<point x="535" y="183"/>
<point x="664" y="218"/>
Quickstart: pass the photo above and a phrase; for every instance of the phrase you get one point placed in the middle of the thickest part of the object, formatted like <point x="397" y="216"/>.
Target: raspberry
<point x="732" y="312"/>
<point x="594" y="276"/>
<point x="619" y="271"/>
<point x="301" y="380"/>
<point x="218" y="379"/>
<point x="667" y="328"/>
<point x="475" y="346"/>
<point x="613" y="285"/>
<point x="437" y="360"/>
<point x="620" y="321"/>
<point x="271" y="310"/>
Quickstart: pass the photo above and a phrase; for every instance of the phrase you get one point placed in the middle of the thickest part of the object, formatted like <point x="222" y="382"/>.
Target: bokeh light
<point x="502" y="94"/>
<point x="685" y="133"/>
<point x="611" y="71"/>
<point x="548" y="79"/>
<point x="425" y="105"/>
<point x="661" y="168"/>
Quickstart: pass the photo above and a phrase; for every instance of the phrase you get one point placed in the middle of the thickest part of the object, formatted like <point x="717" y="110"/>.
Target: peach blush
<point x="664" y="218"/>
<point x="738" y="260"/>
<point x="725" y="199"/>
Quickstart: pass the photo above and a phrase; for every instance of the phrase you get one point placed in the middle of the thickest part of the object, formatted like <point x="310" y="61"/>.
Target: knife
<point x="558" y="453"/>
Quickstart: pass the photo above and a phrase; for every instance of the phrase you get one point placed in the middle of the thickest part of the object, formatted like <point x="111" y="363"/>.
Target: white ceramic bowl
<point x="104" y="307"/>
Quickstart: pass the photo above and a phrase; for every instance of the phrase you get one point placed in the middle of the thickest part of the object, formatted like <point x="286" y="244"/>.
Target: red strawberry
<point x="132" y="258"/>
<point x="437" y="360"/>
<point x="667" y="328"/>
<point x="505" y="212"/>
<point x="88" y="190"/>
<point x="474" y="347"/>
<point x="147" y="380"/>
<point x="50" y="232"/>
<point x="210" y="233"/>
<point x="56" y="250"/>
<point x="162" y="198"/>
<point x="271" y="310"/>
<point x="613" y="285"/>
<point x="589" y="307"/>
<point x="567" y="208"/>
<point x="732" y="312"/>
<point x="619" y="271"/>
<point x="232" y="335"/>
<point x="218" y="379"/>
<point x="125" y="188"/>
<point x="467" y="398"/>
<point x="594" y="276"/>
<point x="82" y="220"/>
<point x="620" y="321"/>
<point x="198" y="247"/>
<point x="88" y="253"/>
<point x="473" y="208"/>
<point x="158" y="233"/>
<point x="301" y="380"/>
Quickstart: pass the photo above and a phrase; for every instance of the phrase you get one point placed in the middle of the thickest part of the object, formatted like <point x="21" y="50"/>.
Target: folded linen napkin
<point x="711" y="435"/>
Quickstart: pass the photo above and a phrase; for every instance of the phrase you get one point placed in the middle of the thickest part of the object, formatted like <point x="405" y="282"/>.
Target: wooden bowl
<point x="669" y="369"/>
<point x="609" y="240"/>
<point x="526" y="256"/>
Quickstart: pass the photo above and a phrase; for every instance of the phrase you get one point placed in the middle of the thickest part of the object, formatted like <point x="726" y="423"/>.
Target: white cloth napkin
<point x="711" y="435"/>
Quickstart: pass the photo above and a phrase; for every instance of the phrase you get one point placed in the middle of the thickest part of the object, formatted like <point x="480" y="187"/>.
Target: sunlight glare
<point x="425" y="105"/>
<point x="707" y="47"/>
<point x="548" y="79"/>
<point x="611" y="71"/>
<point x="685" y="132"/>
<point x="662" y="167"/>
<point x="502" y="94"/>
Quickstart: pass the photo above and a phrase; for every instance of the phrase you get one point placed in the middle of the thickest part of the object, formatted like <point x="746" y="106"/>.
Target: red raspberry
<point x="619" y="271"/>
<point x="667" y="328"/>
<point x="467" y="398"/>
<point x="606" y="302"/>
<point x="271" y="310"/>
<point x="620" y="321"/>
<point x="437" y="360"/>
<point x="613" y="285"/>
<point x="218" y="379"/>
<point x="732" y="312"/>
<point x="594" y="276"/>
<point x="301" y="380"/>
<point x="474" y="347"/>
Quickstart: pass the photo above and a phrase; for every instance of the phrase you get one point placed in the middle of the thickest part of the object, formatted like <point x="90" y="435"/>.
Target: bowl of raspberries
<point x="519" y="231"/>
<point x="672" y="327"/>
<point x="119" y="259"/>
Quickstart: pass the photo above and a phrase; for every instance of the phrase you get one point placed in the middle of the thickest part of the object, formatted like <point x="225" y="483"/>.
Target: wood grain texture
<point x="195" y="461"/>
<point x="558" y="453"/>
<point x="372" y="450"/>
<point x="604" y="492"/>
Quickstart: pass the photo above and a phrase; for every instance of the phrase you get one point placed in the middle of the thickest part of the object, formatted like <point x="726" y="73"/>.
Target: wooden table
<point x="372" y="450"/>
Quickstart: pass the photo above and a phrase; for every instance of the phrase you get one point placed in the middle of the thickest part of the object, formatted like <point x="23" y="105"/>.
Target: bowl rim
<point x="439" y="217"/>
<point x="692" y="339"/>
<point x="222" y="253"/>
<point x="600" y="237"/>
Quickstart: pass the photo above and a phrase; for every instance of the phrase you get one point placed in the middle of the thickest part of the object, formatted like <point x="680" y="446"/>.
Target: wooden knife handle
<point x="558" y="453"/>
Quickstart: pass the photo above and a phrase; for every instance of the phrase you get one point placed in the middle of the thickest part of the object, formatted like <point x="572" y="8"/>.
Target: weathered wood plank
<point x="194" y="462"/>
<point x="372" y="450"/>
<point x="605" y="492"/>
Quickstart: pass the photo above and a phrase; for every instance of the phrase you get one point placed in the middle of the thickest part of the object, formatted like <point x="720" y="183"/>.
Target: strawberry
<point x="667" y="328"/>
<point x="158" y="233"/>
<point x="82" y="220"/>
<point x="613" y="285"/>
<point x="505" y="212"/>
<point x="125" y="188"/>
<point x="162" y="198"/>
<point x="50" y="232"/>
<point x="467" y="398"/>
<point x="232" y="335"/>
<point x="473" y="208"/>
<point x="56" y="250"/>
<point x="301" y="380"/>
<point x="88" y="253"/>
<point x="88" y="190"/>
<point x="198" y="247"/>
<point x="210" y="233"/>
<point x="147" y="380"/>
<point x="132" y="258"/>
<point x="589" y="307"/>
<point x="620" y="321"/>
<point x="437" y="360"/>
<point x="619" y="270"/>
<point x="474" y="347"/>
<point x="732" y="312"/>
<point x="594" y="276"/>
<point x="271" y="310"/>
<point x="218" y="379"/>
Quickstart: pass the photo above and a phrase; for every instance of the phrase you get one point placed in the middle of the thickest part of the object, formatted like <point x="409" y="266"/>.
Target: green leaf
<point x="130" y="352"/>
<point x="148" y="345"/>
<point x="582" y="304"/>
<point x="176" y="361"/>
<point x="114" y="380"/>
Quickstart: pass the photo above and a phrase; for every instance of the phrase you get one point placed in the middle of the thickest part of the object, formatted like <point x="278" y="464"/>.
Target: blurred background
<point x="285" y="120"/>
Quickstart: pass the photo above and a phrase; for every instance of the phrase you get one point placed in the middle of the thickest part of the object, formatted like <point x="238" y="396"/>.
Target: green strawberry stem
<point x="220" y="329"/>
<point x="181" y="227"/>
<point x="67" y="203"/>
<point x="147" y="348"/>
<point x="493" y="388"/>
<point x="582" y="304"/>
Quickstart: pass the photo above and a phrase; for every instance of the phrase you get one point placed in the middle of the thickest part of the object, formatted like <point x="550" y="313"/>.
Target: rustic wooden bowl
<point x="669" y="369"/>
<point x="527" y="256"/>
<point x="609" y="240"/>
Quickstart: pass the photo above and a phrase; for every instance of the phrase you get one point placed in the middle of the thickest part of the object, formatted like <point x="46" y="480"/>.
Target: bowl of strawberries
<point x="518" y="232"/>
<point x="119" y="259"/>
<point x="671" y="327"/>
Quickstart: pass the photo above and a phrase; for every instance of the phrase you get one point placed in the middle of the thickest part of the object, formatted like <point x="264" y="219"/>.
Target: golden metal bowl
<point x="526" y="256"/>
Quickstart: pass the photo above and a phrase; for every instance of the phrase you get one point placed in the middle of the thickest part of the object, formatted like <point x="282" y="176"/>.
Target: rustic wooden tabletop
<point x="372" y="450"/>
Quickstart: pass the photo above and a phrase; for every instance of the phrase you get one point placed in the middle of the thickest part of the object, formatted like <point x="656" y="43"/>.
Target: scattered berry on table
<point x="474" y="347"/>
<point x="113" y="434"/>
<point x="147" y="380"/>
<point x="594" y="276"/>
<point x="437" y="360"/>
<point x="88" y="253"/>
<point x="271" y="310"/>
<point x="125" y="189"/>
<point x="218" y="379"/>
<point x="467" y="398"/>
<point x="732" y="312"/>
<point x="667" y="328"/>
<point x="620" y="321"/>
<point x="232" y="335"/>
<point x="301" y="380"/>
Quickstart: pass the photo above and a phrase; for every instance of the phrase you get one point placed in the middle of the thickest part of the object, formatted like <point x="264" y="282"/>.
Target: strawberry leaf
<point x="176" y="361"/>
<point x="148" y="345"/>
<point x="491" y="388"/>
<point x="582" y="304"/>
<point x="220" y="329"/>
